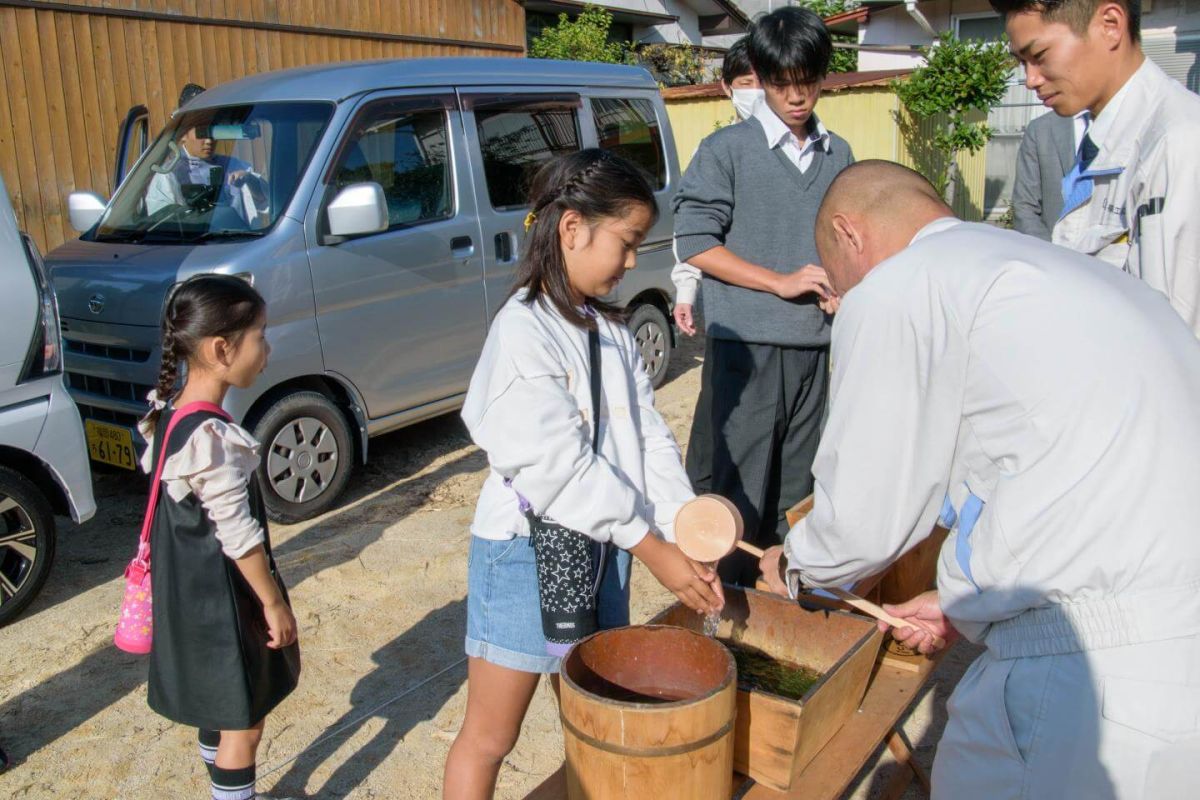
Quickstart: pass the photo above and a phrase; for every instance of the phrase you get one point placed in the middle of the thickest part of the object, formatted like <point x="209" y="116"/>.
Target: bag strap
<point x="594" y="378"/>
<point x="143" y="552"/>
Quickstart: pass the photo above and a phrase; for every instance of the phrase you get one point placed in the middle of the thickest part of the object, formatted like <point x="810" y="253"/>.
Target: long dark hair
<point x="202" y="306"/>
<point x="596" y="184"/>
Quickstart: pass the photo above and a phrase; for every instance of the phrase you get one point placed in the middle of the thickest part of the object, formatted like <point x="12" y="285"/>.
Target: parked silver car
<point x="378" y="206"/>
<point x="43" y="458"/>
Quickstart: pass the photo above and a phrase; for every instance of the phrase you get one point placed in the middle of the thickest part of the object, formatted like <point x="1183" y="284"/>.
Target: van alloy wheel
<point x="18" y="548"/>
<point x="302" y="460"/>
<point x="26" y="542"/>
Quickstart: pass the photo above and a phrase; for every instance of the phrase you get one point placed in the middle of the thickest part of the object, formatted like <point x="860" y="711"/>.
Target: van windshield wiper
<point x="209" y="236"/>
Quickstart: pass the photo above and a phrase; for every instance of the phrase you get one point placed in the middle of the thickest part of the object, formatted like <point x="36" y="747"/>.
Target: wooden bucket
<point x="648" y="713"/>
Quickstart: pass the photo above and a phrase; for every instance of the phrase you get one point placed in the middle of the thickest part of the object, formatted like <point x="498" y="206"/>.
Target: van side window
<point x="516" y="137"/>
<point x="406" y="151"/>
<point x="629" y="128"/>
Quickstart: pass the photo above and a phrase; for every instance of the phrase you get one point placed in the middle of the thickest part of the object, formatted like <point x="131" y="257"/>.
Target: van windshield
<point x="216" y="174"/>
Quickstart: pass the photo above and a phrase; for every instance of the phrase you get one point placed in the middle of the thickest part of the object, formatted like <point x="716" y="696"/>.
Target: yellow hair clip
<point x="530" y="218"/>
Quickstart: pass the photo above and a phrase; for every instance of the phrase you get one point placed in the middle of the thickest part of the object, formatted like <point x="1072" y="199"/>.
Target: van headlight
<point x="45" y="349"/>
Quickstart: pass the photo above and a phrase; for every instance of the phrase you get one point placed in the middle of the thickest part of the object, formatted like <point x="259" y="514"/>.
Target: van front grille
<point x="107" y="387"/>
<point x="128" y="354"/>
<point x="107" y="415"/>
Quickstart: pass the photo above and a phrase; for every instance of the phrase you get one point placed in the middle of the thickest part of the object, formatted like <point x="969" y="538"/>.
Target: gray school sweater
<point x="741" y="193"/>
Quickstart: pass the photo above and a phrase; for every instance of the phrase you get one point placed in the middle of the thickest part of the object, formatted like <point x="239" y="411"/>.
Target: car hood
<point x="127" y="284"/>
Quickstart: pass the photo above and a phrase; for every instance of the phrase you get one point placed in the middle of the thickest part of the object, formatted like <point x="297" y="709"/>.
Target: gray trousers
<point x="768" y="404"/>
<point x="698" y="462"/>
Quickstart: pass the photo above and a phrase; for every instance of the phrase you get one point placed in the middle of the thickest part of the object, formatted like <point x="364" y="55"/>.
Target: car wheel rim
<point x="18" y="548"/>
<point x="652" y="341"/>
<point x="302" y="460"/>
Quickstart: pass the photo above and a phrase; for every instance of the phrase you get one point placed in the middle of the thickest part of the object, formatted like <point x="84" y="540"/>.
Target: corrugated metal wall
<point x="865" y="117"/>
<point x="69" y="71"/>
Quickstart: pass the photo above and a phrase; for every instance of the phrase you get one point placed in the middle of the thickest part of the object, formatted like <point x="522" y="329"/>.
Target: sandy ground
<point x="379" y="588"/>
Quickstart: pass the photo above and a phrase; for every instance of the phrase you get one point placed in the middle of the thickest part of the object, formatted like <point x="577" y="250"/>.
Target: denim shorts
<point x="504" y="618"/>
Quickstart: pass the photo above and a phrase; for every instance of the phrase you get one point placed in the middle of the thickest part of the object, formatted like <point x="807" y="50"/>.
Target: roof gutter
<point x="911" y="7"/>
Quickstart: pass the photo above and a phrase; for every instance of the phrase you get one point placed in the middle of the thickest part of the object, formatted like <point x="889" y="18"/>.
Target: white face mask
<point x="745" y="101"/>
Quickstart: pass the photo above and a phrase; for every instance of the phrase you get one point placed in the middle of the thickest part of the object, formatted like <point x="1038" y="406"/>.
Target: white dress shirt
<point x="980" y="362"/>
<point x="799" y="152"/>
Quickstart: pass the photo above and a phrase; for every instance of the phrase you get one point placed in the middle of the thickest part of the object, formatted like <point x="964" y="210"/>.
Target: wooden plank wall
<point x="70" y="70"/>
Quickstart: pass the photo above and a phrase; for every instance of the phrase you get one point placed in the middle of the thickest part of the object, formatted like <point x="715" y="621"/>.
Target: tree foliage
<point x="959" y="78"/>
<point x="844" y="59"/>
<point x="674" y="64"/>
<point x="584" y="38"/>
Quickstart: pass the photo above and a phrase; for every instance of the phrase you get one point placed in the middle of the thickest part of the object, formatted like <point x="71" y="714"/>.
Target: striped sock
<point x="209" y="740"/>
<point x="233" y="784"/>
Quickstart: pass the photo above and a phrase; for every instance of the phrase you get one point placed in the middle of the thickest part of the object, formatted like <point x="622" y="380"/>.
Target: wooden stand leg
<point x="909" y="768"/>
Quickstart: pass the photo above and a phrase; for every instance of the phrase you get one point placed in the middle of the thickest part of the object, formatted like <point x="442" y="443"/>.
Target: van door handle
<point x="462" y="247"/>
<point x="504" y="248"/>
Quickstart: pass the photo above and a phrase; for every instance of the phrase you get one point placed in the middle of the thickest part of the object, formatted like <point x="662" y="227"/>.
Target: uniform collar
<point x="1115" y="130"/>
<point x="937" y="226"/>
<point x="777" y="132"/>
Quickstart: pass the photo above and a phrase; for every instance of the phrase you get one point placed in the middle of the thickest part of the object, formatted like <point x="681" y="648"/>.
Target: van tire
<point x="22" y="507"/>
<point x="300" y="482"/>
<point x="652" y="335"/>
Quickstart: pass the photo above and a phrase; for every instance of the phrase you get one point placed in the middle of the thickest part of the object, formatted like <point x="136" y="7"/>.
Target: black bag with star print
<point x="570" y="564"/>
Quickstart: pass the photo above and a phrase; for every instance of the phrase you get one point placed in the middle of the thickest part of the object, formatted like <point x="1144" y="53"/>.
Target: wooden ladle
<point x="709" y="527"/>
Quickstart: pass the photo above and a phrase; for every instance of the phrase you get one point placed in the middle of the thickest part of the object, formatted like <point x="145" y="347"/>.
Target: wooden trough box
<point x="775" y="737"/>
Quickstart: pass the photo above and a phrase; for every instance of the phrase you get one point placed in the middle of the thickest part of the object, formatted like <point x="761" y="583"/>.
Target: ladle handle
<point x="751" y="549"/>
<point x="878" y="613"/>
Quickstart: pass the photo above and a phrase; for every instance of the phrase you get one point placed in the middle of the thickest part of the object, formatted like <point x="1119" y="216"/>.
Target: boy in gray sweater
<point x="744" y="215"/>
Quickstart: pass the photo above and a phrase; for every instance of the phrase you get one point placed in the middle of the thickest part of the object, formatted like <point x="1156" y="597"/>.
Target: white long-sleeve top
<point x="687" y="282"/>
<point x="216" y="464"/>
<point x="1144" y="212"/>
<point x="1064" y="396"/>
<point x="529" y="408"/>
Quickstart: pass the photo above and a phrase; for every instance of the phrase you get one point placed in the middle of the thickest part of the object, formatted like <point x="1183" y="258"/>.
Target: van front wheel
<point x="307" y="455"/>
<point x="26" y="543"/>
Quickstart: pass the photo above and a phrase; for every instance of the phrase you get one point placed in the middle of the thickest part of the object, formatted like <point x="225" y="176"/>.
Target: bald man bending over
<point x="973" y="383"/>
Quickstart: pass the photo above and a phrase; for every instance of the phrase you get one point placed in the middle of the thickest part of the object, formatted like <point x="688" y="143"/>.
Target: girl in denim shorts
<point x="530" y="408"/>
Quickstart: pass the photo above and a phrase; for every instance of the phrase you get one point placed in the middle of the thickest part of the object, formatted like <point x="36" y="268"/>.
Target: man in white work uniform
<point x="1132" y="196"/>
<point x="973" y="383"/>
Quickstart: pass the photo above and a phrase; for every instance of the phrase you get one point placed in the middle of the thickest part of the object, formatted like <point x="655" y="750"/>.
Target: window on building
<point x="629" y="128"/>
<point x="987" y="27"/>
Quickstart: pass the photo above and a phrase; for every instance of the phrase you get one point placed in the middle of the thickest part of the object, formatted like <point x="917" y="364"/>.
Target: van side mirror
<point x="359" y="208"/>
<point x="84" y="210"/>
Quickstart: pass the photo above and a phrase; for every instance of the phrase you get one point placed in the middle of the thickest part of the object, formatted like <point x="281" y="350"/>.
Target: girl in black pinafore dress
<point x="224" y="650"/>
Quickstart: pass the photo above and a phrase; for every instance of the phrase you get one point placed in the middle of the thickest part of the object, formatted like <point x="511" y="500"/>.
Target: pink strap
<point x="143" y="553"/>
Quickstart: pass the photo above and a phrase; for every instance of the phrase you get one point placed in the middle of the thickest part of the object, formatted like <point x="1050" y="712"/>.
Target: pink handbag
<point x="135" y="627"/>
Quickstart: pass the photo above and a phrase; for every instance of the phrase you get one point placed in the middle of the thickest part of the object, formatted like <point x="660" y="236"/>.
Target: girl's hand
<point x="696" y="585"/>
<point x="281" y="624"/>
<point x="925" y="612"/>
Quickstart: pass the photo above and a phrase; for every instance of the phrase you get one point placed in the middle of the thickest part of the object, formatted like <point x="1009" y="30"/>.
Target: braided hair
<point x="200" y="307"/>
<point x="596" y="184"/>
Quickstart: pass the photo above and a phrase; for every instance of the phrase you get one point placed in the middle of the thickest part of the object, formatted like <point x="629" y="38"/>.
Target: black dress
<point x="210" y="666"/>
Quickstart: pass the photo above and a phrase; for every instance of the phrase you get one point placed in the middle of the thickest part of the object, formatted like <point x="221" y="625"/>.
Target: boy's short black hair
<point x="1075" y="14"/>
<point x="737" y="61"/>
<point x="790" y="46"/>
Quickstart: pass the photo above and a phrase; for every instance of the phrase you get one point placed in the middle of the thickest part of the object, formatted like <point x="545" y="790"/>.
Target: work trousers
<point x="768" y="403"/>
<point x="1119" y="722"/>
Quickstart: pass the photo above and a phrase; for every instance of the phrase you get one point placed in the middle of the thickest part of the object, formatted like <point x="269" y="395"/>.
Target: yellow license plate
<point x="110" y="444"/>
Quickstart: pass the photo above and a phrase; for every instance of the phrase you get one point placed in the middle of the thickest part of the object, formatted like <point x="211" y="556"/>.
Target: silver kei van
<point x="379" y="208"/>
<point x="43" y="459"/>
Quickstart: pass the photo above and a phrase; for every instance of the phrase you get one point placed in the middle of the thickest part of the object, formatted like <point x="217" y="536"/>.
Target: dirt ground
<point x="379" y="588"/>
